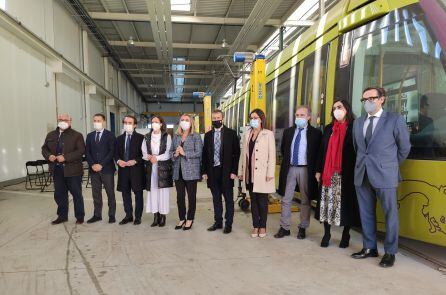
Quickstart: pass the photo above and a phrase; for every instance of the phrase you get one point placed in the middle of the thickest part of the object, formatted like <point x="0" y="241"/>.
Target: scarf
<point x="333" y="157"/>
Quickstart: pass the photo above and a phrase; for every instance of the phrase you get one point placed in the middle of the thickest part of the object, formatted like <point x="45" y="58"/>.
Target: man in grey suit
<point x="381" y="140"/>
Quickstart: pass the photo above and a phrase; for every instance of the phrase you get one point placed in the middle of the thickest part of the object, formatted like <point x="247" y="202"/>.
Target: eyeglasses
<point x="371" y="98"/>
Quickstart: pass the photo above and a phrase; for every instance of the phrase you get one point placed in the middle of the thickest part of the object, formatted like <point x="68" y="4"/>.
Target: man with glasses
<point x="63" y="149"/>
<point x="381" y="141"/>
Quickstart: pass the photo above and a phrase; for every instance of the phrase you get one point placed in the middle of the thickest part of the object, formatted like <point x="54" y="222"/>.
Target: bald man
<point x="64" y="148"/>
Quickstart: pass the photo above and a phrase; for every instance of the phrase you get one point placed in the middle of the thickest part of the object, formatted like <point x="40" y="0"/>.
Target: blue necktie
<point x="295" y="161"/>
<point x="127" y="148"/>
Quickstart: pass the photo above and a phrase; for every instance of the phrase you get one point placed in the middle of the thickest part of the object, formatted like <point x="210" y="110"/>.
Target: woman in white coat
<point x="257" y="168"/>
<point x="156" y="153"/>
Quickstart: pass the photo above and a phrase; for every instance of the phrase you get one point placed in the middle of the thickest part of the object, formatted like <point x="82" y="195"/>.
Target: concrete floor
<point x="39" y="258"/>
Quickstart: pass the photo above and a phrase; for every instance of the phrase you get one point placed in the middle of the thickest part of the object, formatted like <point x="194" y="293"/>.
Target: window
<point x="180" y="5"/>
<point x="269" y="103"/>
<point x="342" y="74"/>
<point x="313" y="94"/>
<point x="400" y="53"/>
<point x="241" y="114"/>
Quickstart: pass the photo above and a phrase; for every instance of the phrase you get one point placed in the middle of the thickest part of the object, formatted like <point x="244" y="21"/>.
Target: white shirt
<point x="375" y="121"/>
<point x="100" y="134"/>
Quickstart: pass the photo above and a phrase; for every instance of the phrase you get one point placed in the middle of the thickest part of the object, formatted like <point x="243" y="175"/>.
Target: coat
<point x="191" y="162"/>
<point x="388" y="148"/>
<point x="73" y="150"/>
<point x="314" y="137"/>
<point x="264" y="161"/>
<point x="229" y="156"/>
<point x="349" y="202"/>
<point x="164" y="166"/>
<point x="101" y="153"/>
<point x="136" y="173"/>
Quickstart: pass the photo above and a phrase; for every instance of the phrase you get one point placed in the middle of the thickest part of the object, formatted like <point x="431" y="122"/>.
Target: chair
<point x="47" y="175"/>
<point x="86" y="176"/>
<point x="35" y="175"/>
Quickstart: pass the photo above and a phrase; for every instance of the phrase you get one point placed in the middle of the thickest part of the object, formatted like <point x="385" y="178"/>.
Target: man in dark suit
<point x="64" y="148"/>
<point x="100" y="153"/>
<point x="221" y="153"/>
<point x="131" y="177"/>
<point x="381" y="141"/>
<point x="300" y="149"/>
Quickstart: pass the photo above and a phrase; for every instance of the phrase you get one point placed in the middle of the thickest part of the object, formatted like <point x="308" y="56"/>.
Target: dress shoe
<point x="111" y="219"/>
<point x="227" y="229"/>
<point x="156" y="219"/>
<point x="282" y="233"/>
<point x="162" y="220"/>
<point x="80" y="221"/>
<point x="215" y="226"/>
<point x="126" y="220"/>
<point x="388" y="260"/>
<point x="59" y="220"/>
<point x="325" y="241"/>
<point x="301" y="233"/>
<point x="180" y="225"/>
<point x="365" y="253"/>
<point x="137" y="221"/>
<point x="94" y="219"/>
<point x="188" y="227"/>
<point x="345" y="241"/>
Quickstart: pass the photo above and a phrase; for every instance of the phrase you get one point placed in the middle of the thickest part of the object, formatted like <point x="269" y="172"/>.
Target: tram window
<point x="269" y="103"/>
<point x="235" y="116"/>
<point x="342" y="75"/>
<point x="282" y="101"/>
<point x="241" y="115"/>
<point x="308" y="85"/>
<point x="400" y="53"/>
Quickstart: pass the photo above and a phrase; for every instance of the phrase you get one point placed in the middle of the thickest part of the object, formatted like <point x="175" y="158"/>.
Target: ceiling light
<point x="224" y="44"/>
<point x="131" y="42"/>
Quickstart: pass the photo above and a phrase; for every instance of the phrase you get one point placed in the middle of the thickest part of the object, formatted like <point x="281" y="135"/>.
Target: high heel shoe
<point x="156" y="219"/>
<point x="345" y="241"/>
<point x="180" y="226"/>
<point x="188" y="227"/>
<point x="325" y="241"/>
<point x="162" y="220"/>
<point x="262" y="235"/>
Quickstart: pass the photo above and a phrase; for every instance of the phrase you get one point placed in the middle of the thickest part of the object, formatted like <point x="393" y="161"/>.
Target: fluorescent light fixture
<point x="180" y="5"/>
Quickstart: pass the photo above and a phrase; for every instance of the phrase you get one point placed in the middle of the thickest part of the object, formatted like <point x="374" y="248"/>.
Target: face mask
<point x="255" y="123"/>
<point x="339" y="114"/>
<point x="97" y="126"/>
<point x="369" y="107"/>
<point x="62" y="125"/>
<point x="185" y="125"/>
<point x="156" y="126"/>
<point x="301" y="122"/>
<point x="128" y="128"/>
<point x="217" y="124"/>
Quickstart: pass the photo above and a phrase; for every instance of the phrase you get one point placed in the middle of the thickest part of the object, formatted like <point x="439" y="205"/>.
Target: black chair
<point x="47" y="175"/>
<point x="35" y="175"/>
<point x="86" y="176"/>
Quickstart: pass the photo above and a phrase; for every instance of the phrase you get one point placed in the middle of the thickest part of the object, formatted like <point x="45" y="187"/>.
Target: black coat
<point x="102" y="152"/>
<point x="349" y="202"/>
<point x="165" y="168"/>
<point x="136" y="173"/>
<point x="314" y="137"/>
<point x="229" y="156"/>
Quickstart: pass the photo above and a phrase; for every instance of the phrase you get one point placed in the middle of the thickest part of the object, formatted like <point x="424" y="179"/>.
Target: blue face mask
<point x="301" y="122"/>
<point x="254" y="123"/>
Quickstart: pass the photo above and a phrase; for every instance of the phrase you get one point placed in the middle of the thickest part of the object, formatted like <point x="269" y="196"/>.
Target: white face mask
<point x="156" y="126"/>
<point x="62" y="125"/>
<point x="128" y="128"/>
<point x="339" y="114"/>
<point x="97" y="126"/>
<point x="185" y="125"/>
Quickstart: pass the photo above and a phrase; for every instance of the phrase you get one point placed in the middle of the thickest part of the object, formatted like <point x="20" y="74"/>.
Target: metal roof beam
<point x="175" y="62"/>
<point x="177" y="45"/>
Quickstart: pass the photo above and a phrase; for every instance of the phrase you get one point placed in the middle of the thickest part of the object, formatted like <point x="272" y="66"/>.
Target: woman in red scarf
<point x="337" y="204"/>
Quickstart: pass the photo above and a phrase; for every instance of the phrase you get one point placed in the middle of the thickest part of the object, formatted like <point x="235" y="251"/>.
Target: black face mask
<point x="217" y="124"/>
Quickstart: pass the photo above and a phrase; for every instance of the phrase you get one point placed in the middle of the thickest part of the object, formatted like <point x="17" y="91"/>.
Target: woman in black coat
<point x="337" y="203"/>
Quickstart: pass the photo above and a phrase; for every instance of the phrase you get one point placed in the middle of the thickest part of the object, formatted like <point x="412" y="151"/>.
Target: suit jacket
<point x="263" y="161"/>
<point x="136" y="173"/>
<point x="314" y="137"/>
<point x="191" y="162"/>
<point x="101" y="153"/>
<point x="73" y="149"/>
<point x="229" y="156"/>
<point x="388" y="148"/>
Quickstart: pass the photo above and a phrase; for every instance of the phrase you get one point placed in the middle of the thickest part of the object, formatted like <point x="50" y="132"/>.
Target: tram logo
<point x="433" y="208"/>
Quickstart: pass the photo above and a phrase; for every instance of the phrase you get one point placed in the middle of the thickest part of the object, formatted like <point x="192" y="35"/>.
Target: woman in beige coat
<point x="257" y="167"/>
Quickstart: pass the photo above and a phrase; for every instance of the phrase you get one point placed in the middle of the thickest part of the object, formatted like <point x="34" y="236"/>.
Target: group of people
<point x="347" y="168"/>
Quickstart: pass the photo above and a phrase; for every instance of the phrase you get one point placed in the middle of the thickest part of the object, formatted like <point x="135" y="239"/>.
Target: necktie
<point x="295" y="161"/>
<point x="217" y="144"/>
<point x="59" y="147"/>
<point x="369" y="131"/>
<point x="127" y="148"/>
<point x="97" y="137"/>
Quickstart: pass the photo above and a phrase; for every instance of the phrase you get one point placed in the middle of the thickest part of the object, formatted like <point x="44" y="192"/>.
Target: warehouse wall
<point x="32" y="94"/>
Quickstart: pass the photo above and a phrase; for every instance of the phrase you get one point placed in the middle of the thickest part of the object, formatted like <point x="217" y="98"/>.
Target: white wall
<point x="32" y="95"/>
